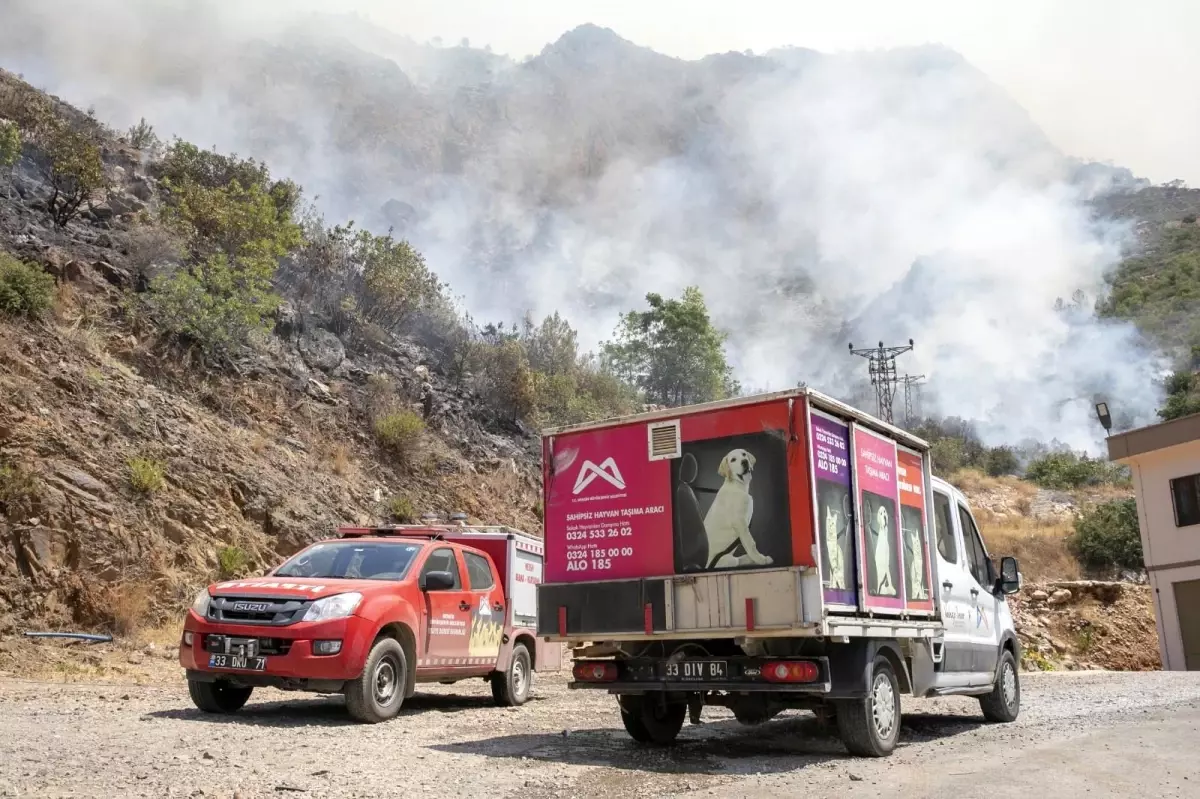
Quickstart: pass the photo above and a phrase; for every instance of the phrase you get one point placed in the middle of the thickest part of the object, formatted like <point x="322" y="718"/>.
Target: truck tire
<point x="510" y="687"/>
<point x="1004" y="702"/>
<point x="377" y="693"/>
<point x="870" y="727"/>
<point x="649" y="721"/>
<point x="219" y="696"/>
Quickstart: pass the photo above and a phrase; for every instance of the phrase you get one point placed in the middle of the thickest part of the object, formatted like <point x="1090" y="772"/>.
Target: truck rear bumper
<point x="808" y="675"/>
<point x="642" y="687"/>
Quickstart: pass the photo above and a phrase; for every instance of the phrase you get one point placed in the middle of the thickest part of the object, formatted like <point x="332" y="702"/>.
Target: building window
<point x="1185" y="496"/>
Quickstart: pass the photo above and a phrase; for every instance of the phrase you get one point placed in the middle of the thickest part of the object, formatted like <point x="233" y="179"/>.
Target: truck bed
<point x="764" y="603"/>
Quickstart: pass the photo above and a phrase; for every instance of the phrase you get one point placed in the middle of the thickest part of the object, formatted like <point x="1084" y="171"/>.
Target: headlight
<point x="200" y="603"/>
<point x="333" y="607"/>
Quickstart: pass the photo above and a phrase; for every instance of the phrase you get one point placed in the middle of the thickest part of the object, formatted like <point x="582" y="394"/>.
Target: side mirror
<point x="437" y="581"/>
<point x="1010" y="576"/>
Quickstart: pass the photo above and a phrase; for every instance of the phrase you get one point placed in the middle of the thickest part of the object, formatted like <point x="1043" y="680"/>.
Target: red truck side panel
<point x="735" y="494"/>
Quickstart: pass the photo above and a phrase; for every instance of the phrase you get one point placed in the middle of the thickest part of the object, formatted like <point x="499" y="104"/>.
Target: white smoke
<point x="863" y="197"/>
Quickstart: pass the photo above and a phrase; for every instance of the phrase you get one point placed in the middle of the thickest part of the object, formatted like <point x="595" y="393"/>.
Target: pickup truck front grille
<point x="257" y="610"/>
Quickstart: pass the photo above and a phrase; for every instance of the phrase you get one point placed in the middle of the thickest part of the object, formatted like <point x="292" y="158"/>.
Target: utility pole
<point x="910" y="390"/>
<point x="881" y="363"/>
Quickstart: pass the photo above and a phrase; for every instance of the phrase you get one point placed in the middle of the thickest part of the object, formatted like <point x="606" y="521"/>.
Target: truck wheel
<point x="377" y="693"/>
<point x="511" y="686"/>
<point x="650" y="721"/>
<point x="1004" y="702"/>
<point x="218" y="697"/>
<point x="870" y="727"/>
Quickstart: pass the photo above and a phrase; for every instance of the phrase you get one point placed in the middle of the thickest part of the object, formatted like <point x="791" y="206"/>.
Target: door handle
<point x="464" y="605"/>
<point x="498" y="606"/>
<point x="974" y="592"/>
<point x="947" y="584"/>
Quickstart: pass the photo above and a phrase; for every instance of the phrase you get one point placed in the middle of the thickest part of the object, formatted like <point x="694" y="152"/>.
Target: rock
<point x="1039" y="596"/>
<point x="176" y="531"/>
<point x="322" y="350"/>
<point x="113" y="274"/>
<point x="141" y="188"/>
<point x="102" y="211"/>
<point x="81" y="479"/>
<point x="256" y="510"/>
<point x="125" y="204"/>
<point x="287" y="320"/>
<point x="1060" y="597"/>
<point x="296" y="444"/>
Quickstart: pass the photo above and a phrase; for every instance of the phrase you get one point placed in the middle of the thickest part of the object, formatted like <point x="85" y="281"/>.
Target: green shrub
<point x="1066" y="470"/>
<point x="1002" y="461"/>
<point x="216" y="304"/>
<point x="10" y="144"/>
<point x="232" y="562"/>
<point x="25" y="289"/>
<point x="402" y="510"/>
<point x="398" y="432"/>
<point x="145" y="475"/>
<point x="1107" y="536"/>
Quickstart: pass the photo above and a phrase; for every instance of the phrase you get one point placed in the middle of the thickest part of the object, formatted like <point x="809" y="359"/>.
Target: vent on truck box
<point x="664" y="440"/>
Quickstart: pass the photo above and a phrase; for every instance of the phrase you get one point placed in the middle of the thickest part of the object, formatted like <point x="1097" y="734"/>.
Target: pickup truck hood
<point x="300" y="587"/>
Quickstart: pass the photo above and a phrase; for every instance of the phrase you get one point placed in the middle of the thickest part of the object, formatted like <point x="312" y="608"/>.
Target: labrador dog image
<point x="727" y="523"/>
<point x="883" y="554"/>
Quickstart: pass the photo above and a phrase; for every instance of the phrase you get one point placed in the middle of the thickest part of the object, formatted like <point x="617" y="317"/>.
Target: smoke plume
<point x="816" y="200"/>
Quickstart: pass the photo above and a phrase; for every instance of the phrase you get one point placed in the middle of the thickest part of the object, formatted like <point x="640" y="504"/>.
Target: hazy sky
<point x="1111" y="80"/>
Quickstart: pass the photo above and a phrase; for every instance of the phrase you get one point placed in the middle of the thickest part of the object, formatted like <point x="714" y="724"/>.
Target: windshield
<point x="353" y="560"/>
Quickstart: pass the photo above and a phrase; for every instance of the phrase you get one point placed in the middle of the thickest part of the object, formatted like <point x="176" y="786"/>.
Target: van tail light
<point x="595" y="671"/>
<point x="791" y="671"/>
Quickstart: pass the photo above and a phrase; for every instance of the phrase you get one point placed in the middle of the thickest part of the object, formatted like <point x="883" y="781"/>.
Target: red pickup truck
<point x="370" y="614"/>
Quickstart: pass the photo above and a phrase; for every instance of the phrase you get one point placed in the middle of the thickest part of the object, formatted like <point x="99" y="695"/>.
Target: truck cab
<point x="978" y="624"/>
<point x="369" y="614"/>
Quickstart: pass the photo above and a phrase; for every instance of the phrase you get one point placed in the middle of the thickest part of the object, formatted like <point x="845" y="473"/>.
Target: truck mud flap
<point x="605" y="608"/>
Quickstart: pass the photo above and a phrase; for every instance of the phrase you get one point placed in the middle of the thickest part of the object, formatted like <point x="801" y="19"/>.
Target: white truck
<point x="770" y="552"/>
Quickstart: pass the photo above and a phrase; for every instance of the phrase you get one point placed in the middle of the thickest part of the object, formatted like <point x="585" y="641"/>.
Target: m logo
<point x="590" y="471"/>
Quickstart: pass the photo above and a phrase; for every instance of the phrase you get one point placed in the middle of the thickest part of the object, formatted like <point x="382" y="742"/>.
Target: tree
<point x="142" y="135"/>
<point x="672" y="352"/>
<point x="1107" y="536"/>
<point x="552" y="346"/>
<point x="10" y="144"/>
<point x="235" y="235"/>
<point x="396" y="279"/>
<point x="75" y="172"/>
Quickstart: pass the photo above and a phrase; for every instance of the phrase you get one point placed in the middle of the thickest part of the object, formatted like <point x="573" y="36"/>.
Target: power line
<point x="881" y="365"/>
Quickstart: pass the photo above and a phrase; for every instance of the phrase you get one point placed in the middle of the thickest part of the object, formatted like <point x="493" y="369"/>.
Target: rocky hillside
<point x="132" y="469"/>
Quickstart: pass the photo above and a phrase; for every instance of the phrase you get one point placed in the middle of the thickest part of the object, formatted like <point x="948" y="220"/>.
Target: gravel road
<point x="1093" y="733"/>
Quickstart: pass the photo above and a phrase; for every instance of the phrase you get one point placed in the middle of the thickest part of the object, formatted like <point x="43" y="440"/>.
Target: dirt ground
<point x="1085" y="733"/>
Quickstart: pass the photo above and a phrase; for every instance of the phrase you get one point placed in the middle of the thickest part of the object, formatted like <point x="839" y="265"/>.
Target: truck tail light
<point x="595" y="672"/>
<point x="791" y="671"/>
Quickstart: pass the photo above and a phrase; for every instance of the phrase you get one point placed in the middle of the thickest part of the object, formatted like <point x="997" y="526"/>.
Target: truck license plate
<point x="241" y="662"/>
<point x="697" y="670"/>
